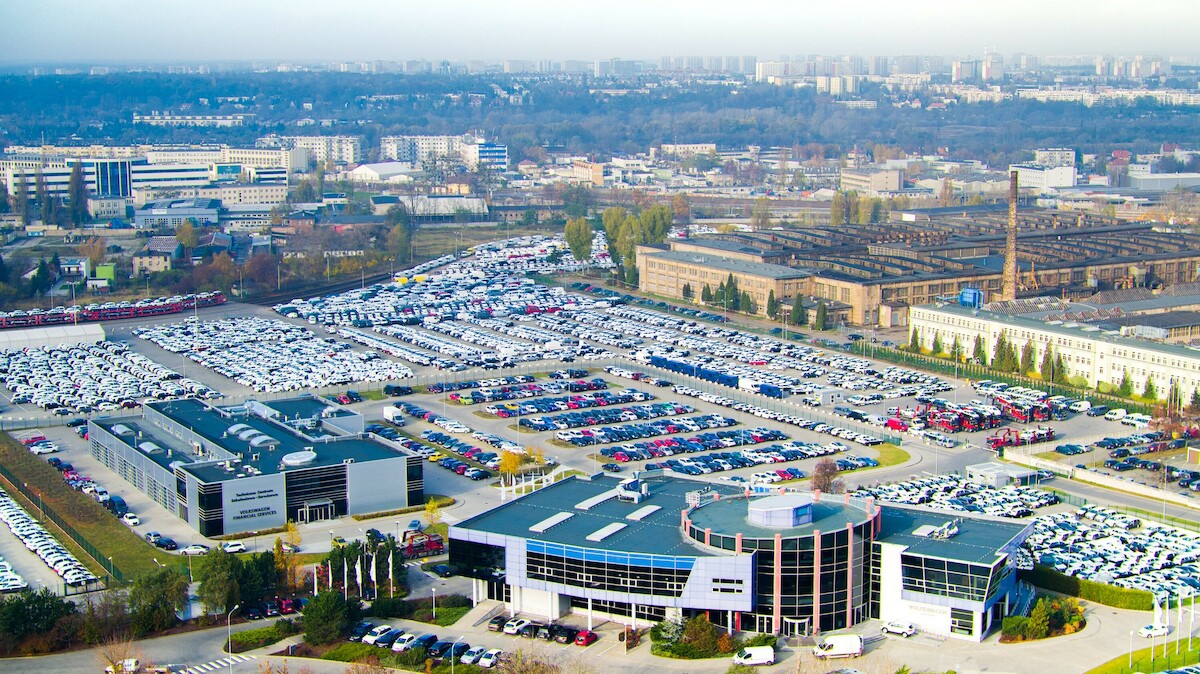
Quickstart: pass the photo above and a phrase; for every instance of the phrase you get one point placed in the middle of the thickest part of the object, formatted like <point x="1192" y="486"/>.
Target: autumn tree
<point x="187" y="236"/>
<point x="578" y="233"/>
<point x="114" y="651"/>
<point x="95" y="249"/>
<point x="510" y="465"/>
<point x="760" y="213"/>
<point x="825" y="477"/>
<point x="682" y="209"/>
<point x="433" y="512"/>
<point x="837" y="210"/>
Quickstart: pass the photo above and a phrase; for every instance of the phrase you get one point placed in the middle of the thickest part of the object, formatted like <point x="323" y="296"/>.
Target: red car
<point x="585" y="638"/>
<point x="287" y="606"/>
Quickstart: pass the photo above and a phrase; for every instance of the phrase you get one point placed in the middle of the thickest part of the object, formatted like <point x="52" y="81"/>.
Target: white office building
<point x="1041" y="178"/>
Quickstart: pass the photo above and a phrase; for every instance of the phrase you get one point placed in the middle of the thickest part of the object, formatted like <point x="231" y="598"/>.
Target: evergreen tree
<point x="1195" y="404"/>
<point x="687" y="291"/>
<point x="706" y="294"/>
<point x="979" y="352"/>
<point x="1125" y="389"/>
<point x="799" y="315"/>
<point x="772" y="305"/>
<point x="914" y="341"/>
<point x="1150" y="392"/>
<point x="41" y="280"/>
<point x="1000" y="358"/>
<point x="956" y="350"/>
<point x="1027" y="354"/>
<point x="20" y="198"/>
<point x="43" y="197"/>
<point x="747" y="303"/>
<point x="1060" y="375"/>
<point x="936" y="348"/>
<point x="1047" y="369"/>
<point x="821" y="322"/>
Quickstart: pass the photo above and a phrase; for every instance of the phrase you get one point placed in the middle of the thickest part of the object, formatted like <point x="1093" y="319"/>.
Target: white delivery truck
<point x="839" y="646"/>
<point x="394" y="415"/>
<point x="755" y="655"/>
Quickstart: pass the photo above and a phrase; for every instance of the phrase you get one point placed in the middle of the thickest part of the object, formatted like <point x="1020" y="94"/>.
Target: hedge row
<point x="249" y="640"/>
<point x="1048" y="578"/>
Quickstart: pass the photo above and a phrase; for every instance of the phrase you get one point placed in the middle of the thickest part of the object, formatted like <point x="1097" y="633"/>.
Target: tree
<point x="41" y="280"/>
<point x="682" y="209"/>
<point x="760" y="213"/>
<point x="114" y="651"/>
<point x="187" y="236"/>
<point x="686" y="292"/>
<point x="914" y="341"/>
<point x="947" y="196"/>
<point x="1150" y="392"/>
<point x="1194" y="405"/>
<point x="1002" y="359"/>
<point x="821" y="322"/>
<point x="1046" y="369"/>
<point x="219" y="573"/>
<point x="1125" y="389"/>
<point x="936" y="348"/>
<point x="95" y="249"/>
<point x="521" y="662"/>
<point x="825" y="477"/>
<point x="325" y="618"/>
<point x="20" y="198"/>
<point x="799" y="315"/>
<point x="700" y="634"/>
<point x="655" y="223"/>
<point x="1027" y="355"/>
<point x="433" y="512"/>
<point x="956" y="350"/>
<point x="706" y="294"/>
<point x="305" y="192"/>
<point x="979" y="351"/>
<point x="510" y="465"/>
<point x="1059" y="374"/>
<point x="27" y="613"/>
<point x="578" y="233"/>
<point x="747" y="303"/>
<point x="45" y="201"/>
<point x="837" y="210"/>
<point x="77" y="196"/>
<point x="155" y="597"/>
<point x="1038" y="626"/>
<point x="577" y="199"/>
<point x="772" y="305"/>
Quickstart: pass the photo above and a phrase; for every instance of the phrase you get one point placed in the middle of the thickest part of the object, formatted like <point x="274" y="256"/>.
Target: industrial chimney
<point x="1008" y="282"/>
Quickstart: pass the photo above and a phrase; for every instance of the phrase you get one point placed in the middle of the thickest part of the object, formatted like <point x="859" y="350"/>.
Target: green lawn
<point x="1142" y="662"/>
<point x="890" y="455"/>
<point x="129" y="552"/>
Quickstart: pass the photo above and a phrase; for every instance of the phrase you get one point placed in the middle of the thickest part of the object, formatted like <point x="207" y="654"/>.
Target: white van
<point x="839" y="646"/>
<point x="1115" y="415"/>
<point x="1080" y="406"/>
<point x="755" y="655"/>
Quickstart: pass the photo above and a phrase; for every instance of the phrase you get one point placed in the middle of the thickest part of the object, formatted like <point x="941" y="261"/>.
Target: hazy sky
<point x="199" y="30"/>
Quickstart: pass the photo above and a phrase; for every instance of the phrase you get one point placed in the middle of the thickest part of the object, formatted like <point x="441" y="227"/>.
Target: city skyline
<point x="224" y="30"/>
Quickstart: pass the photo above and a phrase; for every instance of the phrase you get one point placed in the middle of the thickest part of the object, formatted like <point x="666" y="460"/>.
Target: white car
<point x="373" y="636"/>
<point x="43" y="448"/>
<point x="131" y="519"/>
<point x="233" y="547"/>
<point x="1155" y="630"/>
<point x="515" y="625"/>
<point x="896" y="627"/>
<point x="490" y="659"/>
<point x="195" y="549"/>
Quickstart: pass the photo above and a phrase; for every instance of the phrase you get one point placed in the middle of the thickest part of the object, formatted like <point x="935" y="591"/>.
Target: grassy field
<point x="1143" y="663"/>
<point x="131" y="554"/>
<point x="890" y="455"/>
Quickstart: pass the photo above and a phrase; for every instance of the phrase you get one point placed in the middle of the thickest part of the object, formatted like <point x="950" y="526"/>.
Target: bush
<point x="1108" y="595"/>
<point x="351" y="652"/>
<point x="763" y="640"/>
<point x="413" y="657"/>
<point x="264" y="636"/>
<point x="741" y="669"/>
<point x="1014" y="627"/>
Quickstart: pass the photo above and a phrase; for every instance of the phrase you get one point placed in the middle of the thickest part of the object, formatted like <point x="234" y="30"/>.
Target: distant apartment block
<point x="168" y="119"/>
<point x="474" y="153"/>
<point x="338" y="149"/>
<point x="1054" y="156"/>
<point x="1043" y="178"/>
<point x="685" y="150"/>
<point x="872" y="182"/>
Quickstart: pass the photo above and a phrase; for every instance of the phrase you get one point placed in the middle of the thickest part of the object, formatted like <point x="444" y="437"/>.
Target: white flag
<point x="316" y="590"/>
<point x="329" y="568"/>
<point x="391" y="566"/>
<point x="358" y="572"/>
<point x="374" y="562"/>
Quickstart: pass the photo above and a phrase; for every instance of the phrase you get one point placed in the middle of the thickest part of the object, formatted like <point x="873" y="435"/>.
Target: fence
<point x="973" y="371"/>
<point x="48" y="513"/>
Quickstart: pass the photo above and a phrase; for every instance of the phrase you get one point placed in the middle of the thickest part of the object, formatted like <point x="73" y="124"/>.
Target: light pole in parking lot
<point x="433" y="605"/>
<point x="229" y="634"/>
<point x="1130" y="650"/>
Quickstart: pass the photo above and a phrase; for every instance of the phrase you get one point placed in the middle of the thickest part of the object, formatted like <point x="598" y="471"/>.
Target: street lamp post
<point x="433" y="606"/>
<point x="453" y="657"/>
<point x="229" y="634"/>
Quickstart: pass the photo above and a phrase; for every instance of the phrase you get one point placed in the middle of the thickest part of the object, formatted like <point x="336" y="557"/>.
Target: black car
<point x="530" y="631"/>
<point x="252" y="613"/>
<point x="565" y="635"/>
<point x="610" y="468"/>
<point x="354" y="396"/>
<point x="397" y="390"/>
<point x="54" y="461"/>
<point x="389" y="637"/>
<point x="270" y="608"/>
<point x="1097" y="411"/>
<point x="442" y="570"/>
<point x="77" y="422"/>
<point x="496" y="624"/>
<point x="439" y="649"/>
<point x="166" y="543"/>
<point x="359" y="631"/>
<point x="546" y="632"/>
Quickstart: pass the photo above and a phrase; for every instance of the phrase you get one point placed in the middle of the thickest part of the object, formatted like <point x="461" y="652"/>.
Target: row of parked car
<point x="640" y="431"/>
<point x="399" y="640"/>
<point x="714" y="440"/>
<point x="41" y="542"/>
<point x="958" y="494"/>
<point x="581" y="401"/>
<point x="465" y="450"/>
<point x="607" y="415"/>
<point x="271" y="355"/>
<point x="530" y="629"/>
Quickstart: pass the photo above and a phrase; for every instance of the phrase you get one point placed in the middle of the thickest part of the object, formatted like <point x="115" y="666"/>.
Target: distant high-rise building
<point x="907" y="65"/>
<point x="880" y="66"/>
<point x="964" y="71"/>
<point x="714" y="64"/>
<point x="748" y="64"/>
<point x="664" y="63"/>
